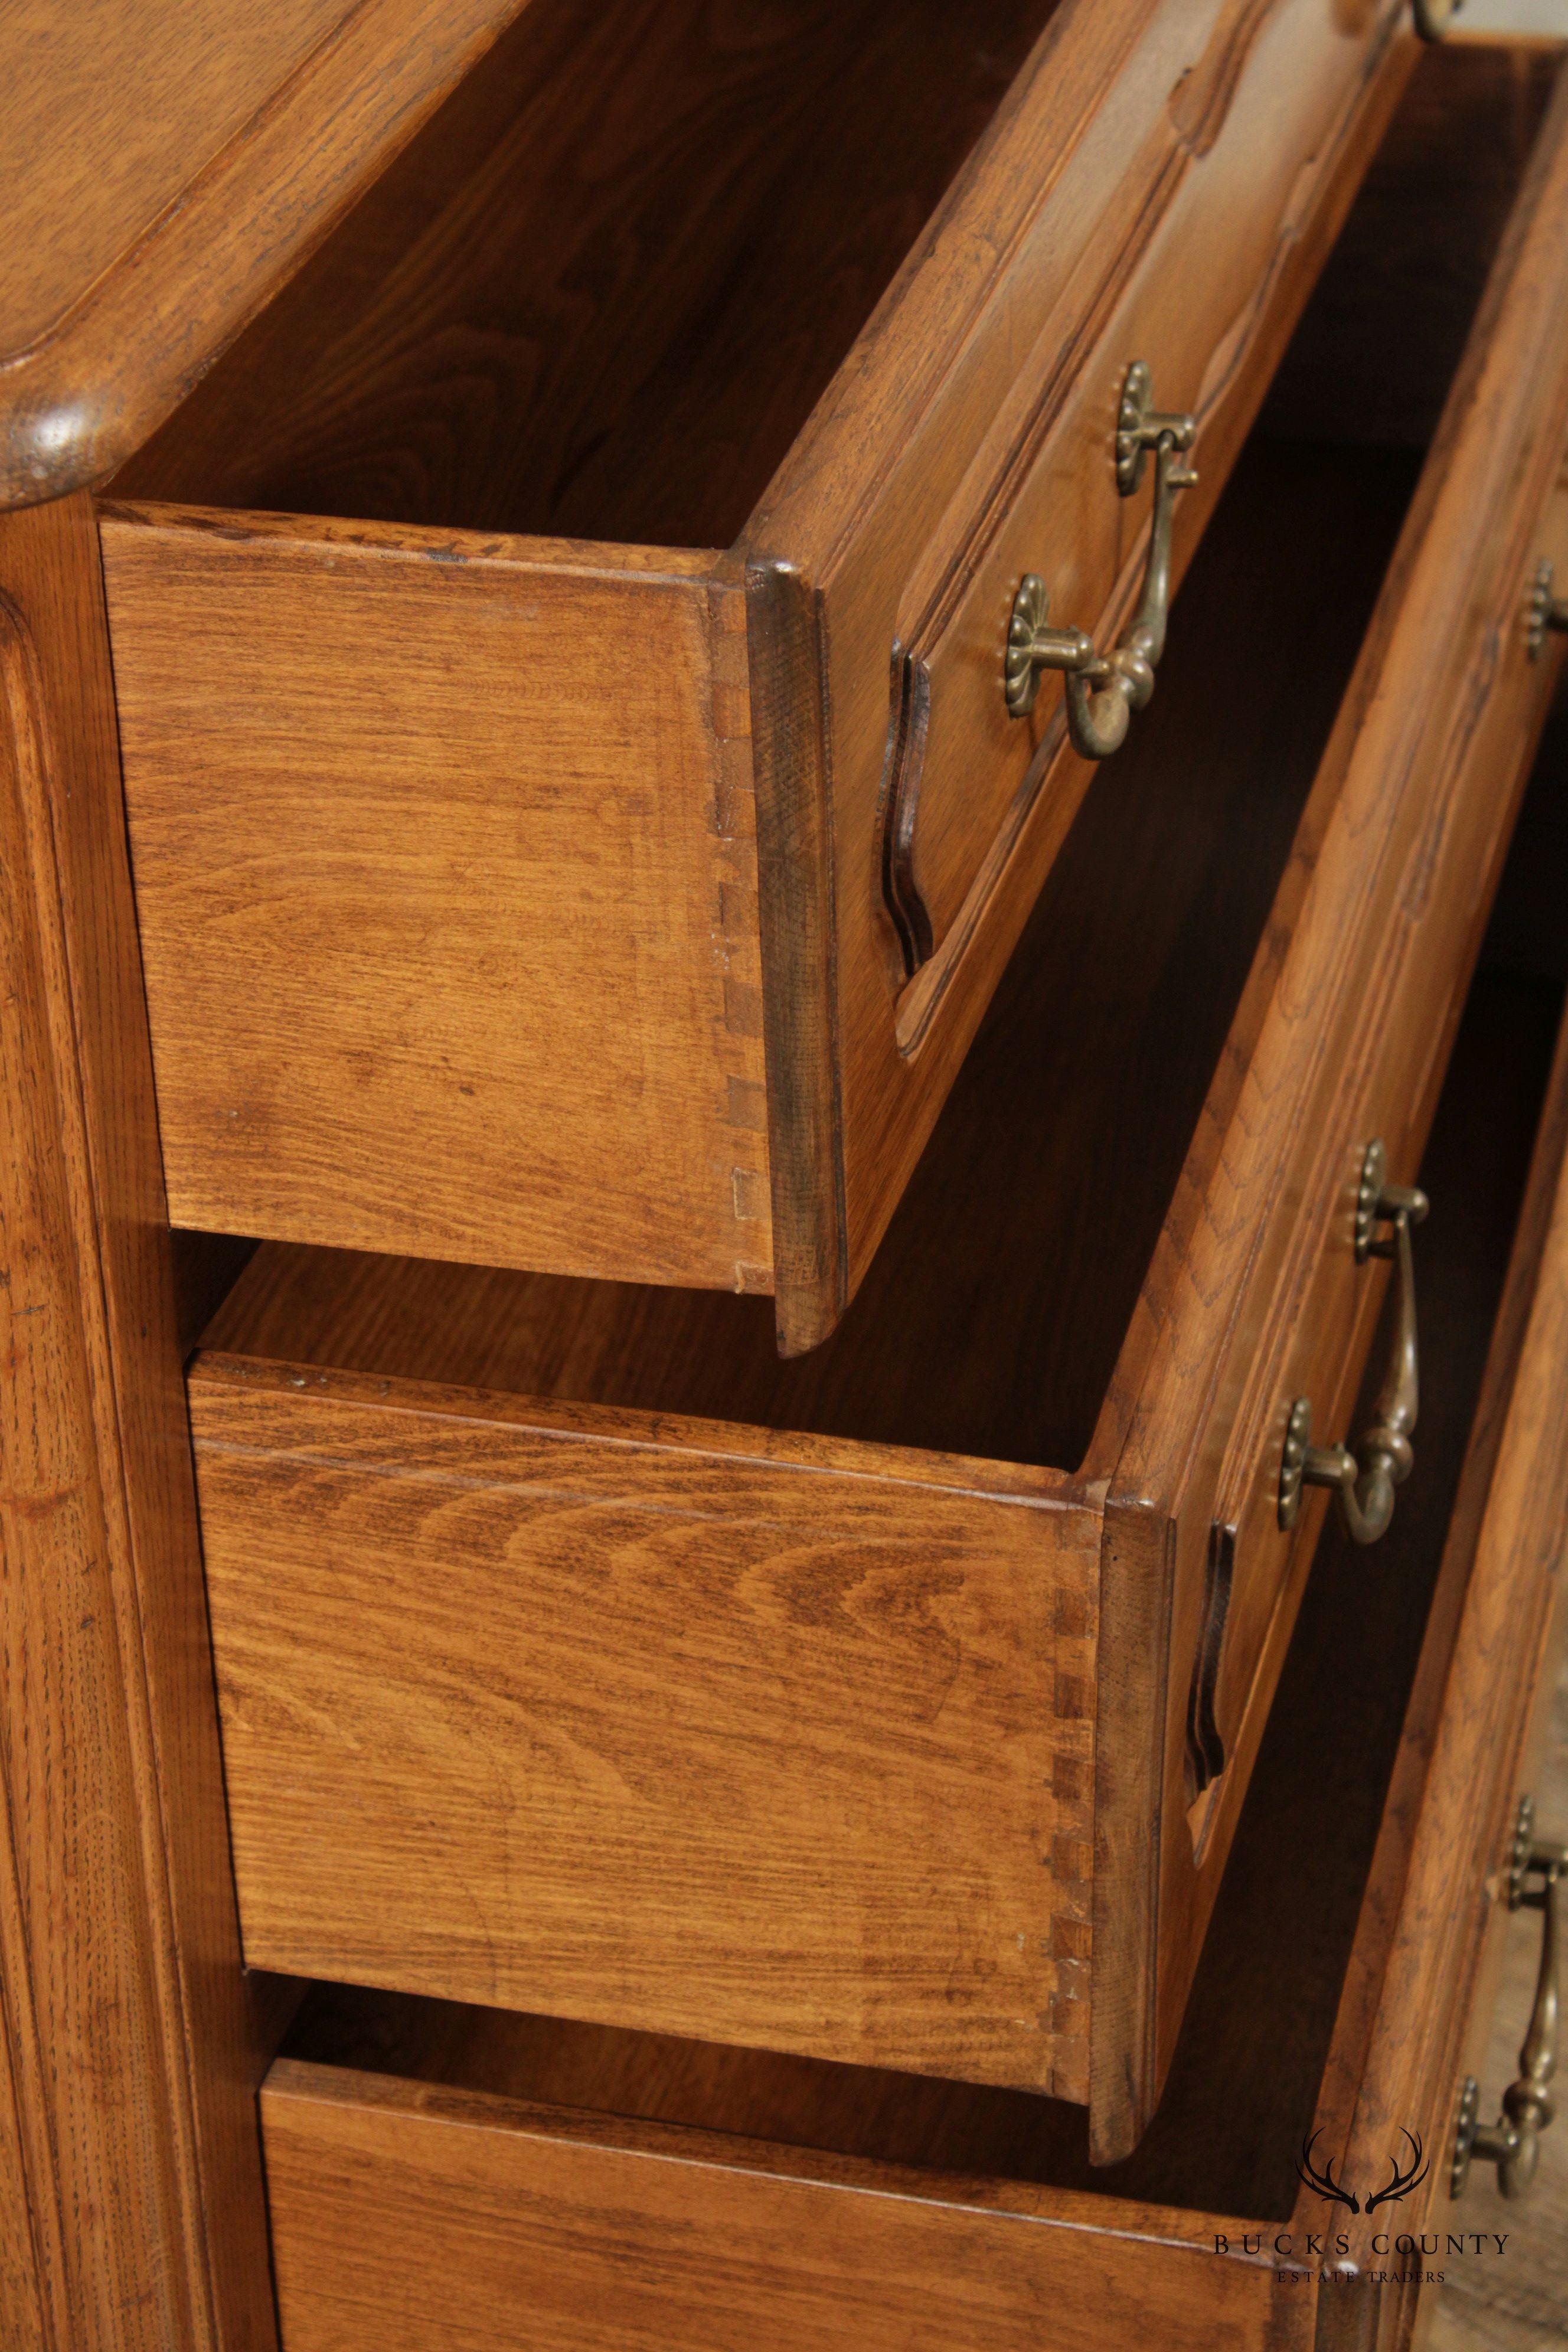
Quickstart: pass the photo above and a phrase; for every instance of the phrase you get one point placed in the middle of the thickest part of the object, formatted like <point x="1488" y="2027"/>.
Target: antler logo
<point x="1400" y="2183"/>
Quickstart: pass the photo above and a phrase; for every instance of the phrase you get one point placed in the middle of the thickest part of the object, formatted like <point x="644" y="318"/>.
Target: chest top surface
<point x="161" y="171"/>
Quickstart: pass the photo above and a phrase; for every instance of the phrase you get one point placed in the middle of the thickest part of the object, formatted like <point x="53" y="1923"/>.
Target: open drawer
<point x="579" y="1654"/>
<point x="452" y="2178"/>
<point x="576" y="1654"/>
<point x="521" y="878"/>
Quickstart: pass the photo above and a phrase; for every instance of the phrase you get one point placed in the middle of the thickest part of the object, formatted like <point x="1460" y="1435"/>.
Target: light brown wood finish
<point x="163" y="173"/>
<point x="632" y="355"/>
<point x="129" y="2054"/>
<point x="608" y="2188"/>
<point x="911" y="519"/>
<point x="488" y="869"/>
<point x="756" y="1701"/>
<point x="1056" y="1344"/>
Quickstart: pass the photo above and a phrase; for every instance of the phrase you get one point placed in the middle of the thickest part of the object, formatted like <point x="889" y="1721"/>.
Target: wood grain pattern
<point x="162" y="174"/>
<point x="128" y="2045"/>
<point x="617" y="1719"/>
<point x="1120" y="996"/>
<point x="1026" y="401"/>
<point x="1263" y="212"/>
<point x="627" y="2251"/>
<point x="469" y="971"/>
<point x="616" y="2187"/>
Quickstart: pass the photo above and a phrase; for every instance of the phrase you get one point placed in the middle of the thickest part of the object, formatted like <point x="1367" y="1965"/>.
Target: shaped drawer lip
<point x="1389" y="2068"/>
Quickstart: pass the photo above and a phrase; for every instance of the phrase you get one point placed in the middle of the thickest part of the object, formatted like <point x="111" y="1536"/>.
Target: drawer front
<point x="974" y="444"/>
<point x="1433" y="1929"/>
<point x="1256" y="1298"/>
<point x="569" y="2221"/>
<point x="1272" y="132"/>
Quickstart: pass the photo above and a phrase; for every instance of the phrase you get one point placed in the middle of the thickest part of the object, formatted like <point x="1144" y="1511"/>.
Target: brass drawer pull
<point x="1513" y="2142"/>
<point x="1103" y="690"/>
<point x="1434" y="17"/>
<point x="1364" y="1480"/>
<point x="1547" y="612"/>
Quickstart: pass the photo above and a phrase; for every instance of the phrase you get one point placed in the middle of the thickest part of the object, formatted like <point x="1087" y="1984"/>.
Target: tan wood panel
<point x="130" y="2048"/>
<point x="447" y="948"/>
<point x="129" y="104"/>
<point x="163" y="171"/>
<point x="644" y="2237"/>
<point x="557" y="1709"/>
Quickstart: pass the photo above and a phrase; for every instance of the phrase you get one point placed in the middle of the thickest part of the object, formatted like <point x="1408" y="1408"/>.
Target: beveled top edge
<point x="94" y="367"/>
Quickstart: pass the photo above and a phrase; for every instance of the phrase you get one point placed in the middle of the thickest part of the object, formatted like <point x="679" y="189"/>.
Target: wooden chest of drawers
<point x="576" y="1654"/>
<point x="715" y="1142"/>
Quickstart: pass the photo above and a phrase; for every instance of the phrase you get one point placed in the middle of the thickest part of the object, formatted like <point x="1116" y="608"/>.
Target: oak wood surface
<point x="1478" y="1729"/>
<point x="624" y="2253"/>
<point x="129" y="2052"/>
<point x="1023" y="426"/>
<point x="994" y="1336"/>
<point x="1263" y="2012"/>
<point x="163" y="173"/>
<point x="674" y="2190"/>
<point x="1262" y="210"/>
<point x="621" y="1727"/>
<point x="442" y="951"/>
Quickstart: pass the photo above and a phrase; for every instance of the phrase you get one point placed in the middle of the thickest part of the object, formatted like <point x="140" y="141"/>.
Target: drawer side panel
<point x="624" y="1729"/>
<point x="445" y="865"/>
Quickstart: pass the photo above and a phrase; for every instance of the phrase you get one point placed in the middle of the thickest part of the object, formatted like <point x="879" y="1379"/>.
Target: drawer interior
<point x="1247" y="2073"/>
<point x="600" y="293"/>
<point x="997" y="1336"/>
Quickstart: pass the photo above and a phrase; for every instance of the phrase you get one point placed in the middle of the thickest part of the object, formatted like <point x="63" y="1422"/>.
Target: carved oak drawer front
<point x="520" y="879"/>
<point x="604" y="2189"/>
<point x="895" y="1704"/>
